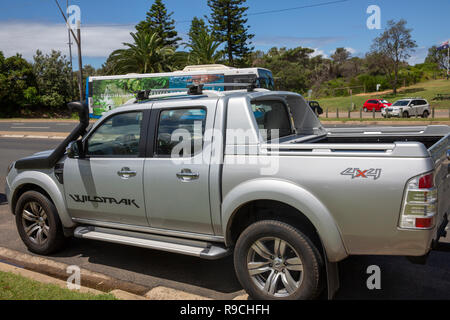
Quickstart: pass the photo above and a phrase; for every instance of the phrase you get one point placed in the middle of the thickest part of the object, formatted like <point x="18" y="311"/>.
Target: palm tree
<point x="145" y="55"/>
<point x="204" y="48"/>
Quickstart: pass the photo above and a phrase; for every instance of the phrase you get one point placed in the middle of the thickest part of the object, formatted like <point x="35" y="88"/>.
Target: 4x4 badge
<point x="358" y="173"/>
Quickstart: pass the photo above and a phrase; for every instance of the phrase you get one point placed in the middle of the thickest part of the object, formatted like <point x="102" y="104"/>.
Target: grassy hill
<point x="427" y="90"/>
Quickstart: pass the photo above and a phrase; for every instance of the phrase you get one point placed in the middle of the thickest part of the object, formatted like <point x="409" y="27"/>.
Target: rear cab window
<point x="273" y="119"/>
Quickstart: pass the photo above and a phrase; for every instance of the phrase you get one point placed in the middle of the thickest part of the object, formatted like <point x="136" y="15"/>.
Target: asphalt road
<point x="400" y="279"/>
<point x="51" y="126"/>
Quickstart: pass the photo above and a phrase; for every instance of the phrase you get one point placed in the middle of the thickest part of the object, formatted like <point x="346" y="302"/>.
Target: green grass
<point x="427" y="90"/>
<point x="15" y="287"/>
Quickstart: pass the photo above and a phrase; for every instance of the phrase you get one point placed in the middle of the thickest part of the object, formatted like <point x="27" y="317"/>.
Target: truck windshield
<point x="273" y="119"/>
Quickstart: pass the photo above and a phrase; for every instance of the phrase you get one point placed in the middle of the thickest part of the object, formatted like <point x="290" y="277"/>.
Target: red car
<point x="378" y="104"/>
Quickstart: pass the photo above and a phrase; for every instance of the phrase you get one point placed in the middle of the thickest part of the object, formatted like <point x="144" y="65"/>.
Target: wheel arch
<point x="304" y="207"/>
<point x="40" y="182"/>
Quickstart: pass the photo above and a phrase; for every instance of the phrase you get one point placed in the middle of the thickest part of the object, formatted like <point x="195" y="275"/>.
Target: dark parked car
<point x="315" y="106"/>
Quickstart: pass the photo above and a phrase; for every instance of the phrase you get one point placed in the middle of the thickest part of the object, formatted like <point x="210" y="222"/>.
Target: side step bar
<point x="188" y="247"/>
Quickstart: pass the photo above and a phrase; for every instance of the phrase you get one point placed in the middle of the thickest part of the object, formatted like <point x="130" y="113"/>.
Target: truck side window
<point x="270" y="116"/>
<point x="180" y="132"/>
<point x="117" y="136"/>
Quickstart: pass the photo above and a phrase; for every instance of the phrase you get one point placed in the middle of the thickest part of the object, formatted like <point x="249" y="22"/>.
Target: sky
<point x="323" y="25"/>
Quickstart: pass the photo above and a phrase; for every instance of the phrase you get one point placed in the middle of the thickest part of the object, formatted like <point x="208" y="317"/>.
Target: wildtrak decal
<point x="98" y="199"/>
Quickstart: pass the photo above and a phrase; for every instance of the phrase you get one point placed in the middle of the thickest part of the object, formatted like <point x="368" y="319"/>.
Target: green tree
<point x="159" y="21"/>
<point x="393" y="48"/>
<point x="438" y="57"/>
<point x="198" y="26"/>
<point x="89" y="71"/>
<point x="147" y="54"/>
<point x="204" y="47"/>
<point x="228" y="23"/>
<point x="18" y="87"/>
<point x="54" y="78"/>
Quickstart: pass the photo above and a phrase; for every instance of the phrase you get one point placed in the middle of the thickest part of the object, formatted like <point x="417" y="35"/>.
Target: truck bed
<point x="427" y="135"/>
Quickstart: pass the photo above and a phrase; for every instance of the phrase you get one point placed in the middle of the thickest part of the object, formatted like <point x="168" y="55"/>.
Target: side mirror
<point x="75" y="149"/>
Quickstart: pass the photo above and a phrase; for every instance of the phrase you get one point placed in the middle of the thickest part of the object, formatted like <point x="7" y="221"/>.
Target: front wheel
<point x="405" y="114"/>
<point x="275" y="261"/>
<point x="365" y="110"/>
<point x="38" y="223"/>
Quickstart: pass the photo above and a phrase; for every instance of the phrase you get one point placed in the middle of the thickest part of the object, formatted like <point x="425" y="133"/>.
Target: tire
<point x="425" y="114"/>
<point x="36" y="212"/>
<point x="299" y="249"/>
<point x="365" y="109"/>
<point x="405" y="114"/>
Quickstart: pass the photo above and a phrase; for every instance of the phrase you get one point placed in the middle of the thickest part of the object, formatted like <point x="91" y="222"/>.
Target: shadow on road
<point x="400" y="279"/>
<point x="217" y="275"/>
<point x="3" y="198"/>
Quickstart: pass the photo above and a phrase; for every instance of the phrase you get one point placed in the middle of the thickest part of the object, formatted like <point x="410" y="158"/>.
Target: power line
<point x="284" y="10"/>
<point x="296" y="8"/>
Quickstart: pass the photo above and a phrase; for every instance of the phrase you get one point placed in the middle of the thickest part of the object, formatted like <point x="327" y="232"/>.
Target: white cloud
<point x="25" y="38"/>
<point x="351" y="50"/>
<point x="418" y="56"/>
<point x="317" y="52"/>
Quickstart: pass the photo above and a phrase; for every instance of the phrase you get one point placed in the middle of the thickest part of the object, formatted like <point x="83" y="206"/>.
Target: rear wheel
<point x="425" y="114"/>
<point x="274" y="260"/>
<point x="38" y="223"/>
<point x="365" y="109"/>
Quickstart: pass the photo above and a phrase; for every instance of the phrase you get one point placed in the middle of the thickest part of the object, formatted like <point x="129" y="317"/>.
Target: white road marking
<point x="31" y="137"/>
<point x="30" y="127"/>
<point x="12" y="135"/>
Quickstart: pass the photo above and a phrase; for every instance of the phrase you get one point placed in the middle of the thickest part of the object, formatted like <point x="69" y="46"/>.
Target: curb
<point x="49" y="271"/>
<point x="42" y="278"/>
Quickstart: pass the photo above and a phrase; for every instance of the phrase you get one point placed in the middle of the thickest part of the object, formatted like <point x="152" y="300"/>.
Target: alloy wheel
<point x="275" y="267"/>
<point x="35" y="223"/>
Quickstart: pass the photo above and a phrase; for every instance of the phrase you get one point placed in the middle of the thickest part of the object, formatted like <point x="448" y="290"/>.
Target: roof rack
<point x="193" y="90"/>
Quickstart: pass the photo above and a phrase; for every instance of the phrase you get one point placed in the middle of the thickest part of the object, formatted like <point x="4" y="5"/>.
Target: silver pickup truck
<point x="252" y="172"/>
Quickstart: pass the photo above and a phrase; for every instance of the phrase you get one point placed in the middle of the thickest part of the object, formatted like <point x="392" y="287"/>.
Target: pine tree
<point x="228" y="23"/>
<point x="198" y="26"/>
<point x="159" y="21"/>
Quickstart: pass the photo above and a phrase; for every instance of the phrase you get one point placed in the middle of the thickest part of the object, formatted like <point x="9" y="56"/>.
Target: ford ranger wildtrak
<point x="251" y="173"/>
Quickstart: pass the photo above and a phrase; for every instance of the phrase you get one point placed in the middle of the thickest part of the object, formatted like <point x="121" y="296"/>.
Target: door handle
<point x="187" y="175"/>
<point x="126" y="173"/>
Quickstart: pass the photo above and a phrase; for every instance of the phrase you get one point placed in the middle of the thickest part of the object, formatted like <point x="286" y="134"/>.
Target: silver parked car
<point x="249" y="172"/>
<point x="408" y="107"/>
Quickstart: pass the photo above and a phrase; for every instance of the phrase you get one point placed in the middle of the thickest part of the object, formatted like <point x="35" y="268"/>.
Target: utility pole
<point x="70" y="41"/>
<point x="77" y="39"/>
<point x="70" y="54"/>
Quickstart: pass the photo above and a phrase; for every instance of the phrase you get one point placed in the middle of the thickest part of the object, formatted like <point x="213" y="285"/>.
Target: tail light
<point x="419" y="204"/>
